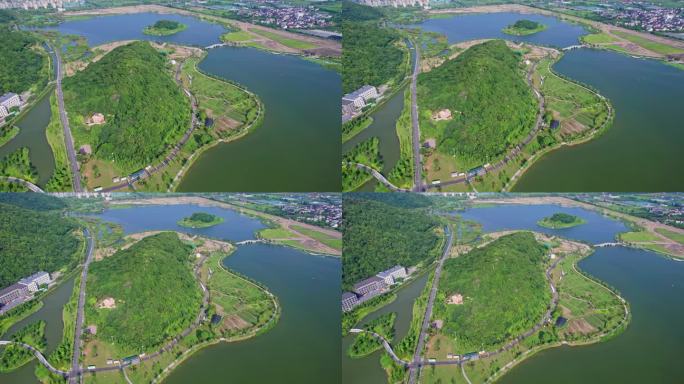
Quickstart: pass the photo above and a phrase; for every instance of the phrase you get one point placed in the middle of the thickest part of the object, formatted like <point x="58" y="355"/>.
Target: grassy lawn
<point x="238" y="36"/>
<point x="275" y="233"/>
<point x="326" y="239"/>
<point x="638" y="237"/>
<point x="649" y="44"/>
<point x="598" y="38"/>
<point x="678" y="237"/>
<point x="292" y="43"/>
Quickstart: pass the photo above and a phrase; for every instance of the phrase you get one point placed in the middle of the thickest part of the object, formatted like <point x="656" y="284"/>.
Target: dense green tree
<point x="145" y="109"/>
<point x="20" y="61"/>
<point x="23" y="253"/>
<point x="492" y="106"/>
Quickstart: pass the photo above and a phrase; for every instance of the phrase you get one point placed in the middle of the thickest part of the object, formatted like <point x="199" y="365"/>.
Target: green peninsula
<point x="200" y="220"/>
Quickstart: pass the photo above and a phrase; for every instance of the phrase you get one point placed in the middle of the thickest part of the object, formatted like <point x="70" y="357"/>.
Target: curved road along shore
<point x="68" y="139"/>
<point x="80" y="313"/>
<point x="38" y="355"/>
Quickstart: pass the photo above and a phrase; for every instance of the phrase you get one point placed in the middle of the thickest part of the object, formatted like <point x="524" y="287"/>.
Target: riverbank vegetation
<point x="21" y="62"/>
<point x="200" y="220"/>
<point x="61" y="176"/>
<point x="7" y="133"/>
<point x="164" y="28"/>
<point x="371" y="54"/>
<point x="23" y="253"/>
<point x="490" y="106"/>
<point x="121" y="86"/>
<point x="353" y="127"/>
<point x="484" y="313"/>
<point x="14" y="356"/>
<point x="365" y="343"/>
<point x="401" y="175"/>
<point x="144" y="295"/>
<point x="367" y="153"/>
<point x="378" y="236"/>
<point x="561" y="220"/>
<point x="351" y="318"/>
<point x="524" y="28"/>
<point x="18" y="164"/>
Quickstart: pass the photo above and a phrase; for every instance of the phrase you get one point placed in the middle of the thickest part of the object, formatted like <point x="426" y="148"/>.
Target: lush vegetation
<point x="288" y="42"/>
<point x="23" y="253"/>
<point x="7" y="133"/>
<point x="353" y="127"/>
<point x="492" y="106"/>
<point x="200" y="220"/>
<point x="14" y="356"/>
<point x="561" y="220"/>
<point x="61" y="177"/>
<point x="371" y="54"/>
<point x="18" y="164"/>
<point x="20" y="61"/>
<point x="402" y="173"/>
<point x="351" y="318"/>
<point x="377" y="236"/>
<point x="524" y="28"/>
<point x="35" y="201"/>
<point x="18" y="313"/>
<point x="364" y="344"/>
<point x="242" y="304"/>
<point x="155" y="293"/>
<point x="504" y="292"/>
<point x="367" y="153"/>
<point x="164" y="28"/>
<point x="146" y="112"/>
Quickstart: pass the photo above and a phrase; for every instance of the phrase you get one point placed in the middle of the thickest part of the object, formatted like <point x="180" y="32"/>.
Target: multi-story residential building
<point x="3" y="111"/>
<point x="390" y="275"/>
<point x="361" y="96"/>
<point x="372" y="284"/>
<point x="9" y="100"/>
<point x="34" y="281"/>
<point x="349" y="301"/>
<point x="13" y="292"/>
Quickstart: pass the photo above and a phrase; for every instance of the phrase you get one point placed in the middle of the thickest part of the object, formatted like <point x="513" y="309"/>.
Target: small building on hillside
<point x="85" y="149"/>
<point x="369" y="285"/>
<point x="391" y="275"/>
<point x="455" y="299"/>
<point x="13" y="292"/>
<point x="96" y="119"/>
<point x="34" y="281"/>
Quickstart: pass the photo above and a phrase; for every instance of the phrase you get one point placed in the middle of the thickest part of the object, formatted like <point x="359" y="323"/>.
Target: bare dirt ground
<point x="324" y="47"/>
<point x="605" y="28"/>
<point x="676" y="249"/>
<point x="306" y="241"/>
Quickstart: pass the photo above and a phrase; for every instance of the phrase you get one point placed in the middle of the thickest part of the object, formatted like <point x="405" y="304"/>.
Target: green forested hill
<point x="377" y="236"/>
<point x="369" y="52"/>
<point x="144" y="108"/>
<point x="20" y="65"/>
<point x="492" y="106"/>
<point x="24" y="250"/>
<point x="504" y="292"/>
<point x="154" y="289"/>
<point x="35" y="201"/>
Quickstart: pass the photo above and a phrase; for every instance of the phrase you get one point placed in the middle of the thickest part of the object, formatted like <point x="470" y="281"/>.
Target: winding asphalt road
<point x="417" y="164"/>
<point x="75" y="370"/>
<point x="68" y="139"/>
<point x="32" y="187"/>
<point x="413" y="371"/>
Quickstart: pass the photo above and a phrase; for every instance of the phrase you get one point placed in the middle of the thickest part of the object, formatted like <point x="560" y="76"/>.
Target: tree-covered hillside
<point x="32" y="241"/>
<point x="145" y="110"/>
<point x="378" y="236"/>
<point x="503" y="288"/>
<point x="20" y="63"/>
<point x="370" y="54"/>
<point x="154" y="290"/>
<point x="491" y="105"/>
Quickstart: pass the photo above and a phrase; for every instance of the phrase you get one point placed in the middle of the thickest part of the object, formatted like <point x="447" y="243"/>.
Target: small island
<point x="200" y="220"/>
<point x="164" y="28"/>
<point x="561" y="220"/>
<point x="524" y="28"/>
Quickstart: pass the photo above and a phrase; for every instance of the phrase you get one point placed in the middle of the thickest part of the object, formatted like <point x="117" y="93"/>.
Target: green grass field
<point x="638" y="237"/>
<point x="275" y="233"/>
<point x="328" y="240"/>
<point x="678" y="237"/>
<point x="649" y="44"/>
<point x="598" y="38"/>
<point x="291" y="43"/>
<point x="236" y="37"/>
